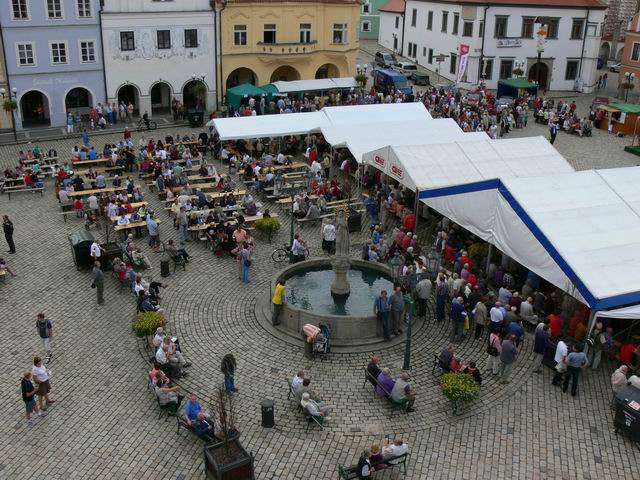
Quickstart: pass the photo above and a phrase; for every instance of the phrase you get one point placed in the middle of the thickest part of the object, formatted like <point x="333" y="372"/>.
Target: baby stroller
<point x="322" y="342"/>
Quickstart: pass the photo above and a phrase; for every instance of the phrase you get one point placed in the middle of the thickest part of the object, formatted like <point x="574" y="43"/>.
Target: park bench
<point x="401" y="405"/>
<point x="182" y="424"/>
<point x="21" y="189"/>
<point x="350" y="473"/>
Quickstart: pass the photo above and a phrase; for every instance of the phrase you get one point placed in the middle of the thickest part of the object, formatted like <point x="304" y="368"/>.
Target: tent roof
<point x="632" y="312"/>
<point x="580" y="231"/>
<point x="246" y="89"/>
<point x="300" y="123"/>
<point x="317" y="84"/>
<point x="269" y="88"/>
<point x="518" y="83"/>
<point x="626" y="107"/>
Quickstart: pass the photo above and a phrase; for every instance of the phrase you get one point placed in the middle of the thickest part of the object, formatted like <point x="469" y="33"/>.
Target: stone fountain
<point x="341" y="264"/>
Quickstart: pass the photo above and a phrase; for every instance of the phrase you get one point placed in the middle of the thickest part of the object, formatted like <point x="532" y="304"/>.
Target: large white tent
<point x="234" y="128"/>
<point x="449" y="160"/>
<point x="580" y="231"/>
<point x="296" y="86"/>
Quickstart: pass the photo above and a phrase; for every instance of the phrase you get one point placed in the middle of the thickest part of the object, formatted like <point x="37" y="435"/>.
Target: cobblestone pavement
<point x="105" y="424"/>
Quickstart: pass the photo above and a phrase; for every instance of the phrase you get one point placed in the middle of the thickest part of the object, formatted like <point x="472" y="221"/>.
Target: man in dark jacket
<point x="540" y="344"/>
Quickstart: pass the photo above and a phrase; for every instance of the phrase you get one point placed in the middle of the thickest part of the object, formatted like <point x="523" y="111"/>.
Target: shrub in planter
<point x="9" y="105"/>
<point x="148" y="322"/>
<point x="268" y="226"/>
<point x="459" y="387"/>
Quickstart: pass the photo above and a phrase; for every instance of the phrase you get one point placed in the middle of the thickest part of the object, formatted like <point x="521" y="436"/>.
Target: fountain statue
<point x="341" y="264"/>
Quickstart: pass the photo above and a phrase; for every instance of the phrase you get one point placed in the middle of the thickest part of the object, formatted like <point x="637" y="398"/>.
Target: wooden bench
<point x="310" y="220"/>
<point x="350" y="473"/>
<point x="401" y="405"/>
<point x="23" y="188"/>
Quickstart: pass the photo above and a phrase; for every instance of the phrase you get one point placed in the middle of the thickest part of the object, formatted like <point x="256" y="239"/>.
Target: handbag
<point x="492" y="349"/>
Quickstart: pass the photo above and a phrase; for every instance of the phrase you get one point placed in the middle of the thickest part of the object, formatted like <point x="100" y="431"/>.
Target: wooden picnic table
<point x="293" y="166"/>
<point x="250" y="219"/>
<point x="84" y="193"/>
<point x="142" y="223"/>
<point x="92" y="162"/>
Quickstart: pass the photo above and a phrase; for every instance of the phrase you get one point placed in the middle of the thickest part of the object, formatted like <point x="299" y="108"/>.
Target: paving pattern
<point x="105" y="424"/>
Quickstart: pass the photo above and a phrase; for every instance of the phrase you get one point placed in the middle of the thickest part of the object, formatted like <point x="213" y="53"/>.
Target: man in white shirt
<point x="296" y="383"/>
<point x="93" y="202"/>
<point x="316" y="167"/>
<point x="123" y="220"/>
<point x="329" y="238"/>
<point x="526" y="311"/>
<point x="496" y="317"/>
<point x="561" y="356"/>
<point x="397" y="448"/>
<point x="95" y="251"/>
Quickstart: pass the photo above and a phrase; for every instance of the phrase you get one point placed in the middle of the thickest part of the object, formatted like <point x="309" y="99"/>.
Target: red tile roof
<point x="599" y="4"/>
<point x="393" y="6"/>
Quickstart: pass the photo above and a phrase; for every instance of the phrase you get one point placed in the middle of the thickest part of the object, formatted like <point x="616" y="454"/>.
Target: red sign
<point x="379" y="160"/>
<point x="397" y="171"/>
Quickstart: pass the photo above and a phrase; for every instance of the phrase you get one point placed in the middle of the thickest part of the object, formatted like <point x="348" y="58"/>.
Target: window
<point x="84" y="9"/>
<point x="501" y="27"/>
<point x="592" y="29"/>
<point x="269" y="33"/>
<point x="445" y="20"/>
<point x="58" y="53"/>
<point x="414" y="17"/>
<point x="366" y="26"/>
<point x="577" y="28"/>
<point x="20" y="9"/>
<point x="164" y="39"/>
<point x="191" y="38"/>
<point x="395" y="43"/>
<point x="340" y="33"/>
<point x="453" y="63"/>
<point x="239" y="35"/>
<point x="424" y="51"/>
<point x="397" y="22"/>
<point x="481" y="29"/>
<point x="87" y="51"/>
<point x="572" y="70"/>
<point x="487" y="74"/>
<point x="635" y="52"/>
<point x="366" y="9"/>
<point x="413" y="50"/>
<point x="305" y="33"/>
<point x="26" y="57"/>
<point x="430" y="56"/>
<point x="506" y="67"/>
<point x="467" y="29"/>
<point x="430" y="21"/>
<point x="127" y="41"/>
<point x="527" y="27"/>
<point x="456" y="21"/>
<point x="552" y="28"/>
<point x="54" y="9"/>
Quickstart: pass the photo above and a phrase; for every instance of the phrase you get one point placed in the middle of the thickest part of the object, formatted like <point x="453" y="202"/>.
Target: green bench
<point x="350" y="473"/>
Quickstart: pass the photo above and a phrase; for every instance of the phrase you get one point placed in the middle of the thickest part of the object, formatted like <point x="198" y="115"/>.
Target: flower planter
<point x="228" y="461"/>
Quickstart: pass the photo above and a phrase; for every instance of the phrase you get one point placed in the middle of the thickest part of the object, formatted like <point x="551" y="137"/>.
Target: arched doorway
<point x="541" y="76"/>
<point x="194" y="95"/>
<point x="605" y="50"/>
<point x="240" y="76"/>
<point x="160" y="98"/>
<point x="129" y="94"/>
<point x="78" y="100"/>
<point x="328" y="70"/>
<point x="284" y="73"/>
<point x="34" y="107"/>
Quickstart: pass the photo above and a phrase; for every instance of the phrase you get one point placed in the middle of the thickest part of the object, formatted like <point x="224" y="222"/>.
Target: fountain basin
<point x="310" y="300"/>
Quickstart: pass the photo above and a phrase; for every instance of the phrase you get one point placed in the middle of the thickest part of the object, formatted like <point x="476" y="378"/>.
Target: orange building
<point x="631" y="51"/>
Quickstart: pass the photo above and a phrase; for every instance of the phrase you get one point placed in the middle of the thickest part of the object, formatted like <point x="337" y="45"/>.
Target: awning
<point x="626" y="107"/>
<point x="297" y="86"/>
<point x="377" y="113"/>
<point x="627" y="313"/>
<point x="512" y="86"/>
<point x="236" y="94"/>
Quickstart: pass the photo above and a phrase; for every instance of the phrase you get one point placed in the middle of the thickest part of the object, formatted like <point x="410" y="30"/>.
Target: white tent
<point x="580" y="231"/>
<point x="452" y="159"/>
<point x="281" y="125"/>
<point x="361" y="138"/>
<point x="627" y="313"/>
<point x="296" y="86"/>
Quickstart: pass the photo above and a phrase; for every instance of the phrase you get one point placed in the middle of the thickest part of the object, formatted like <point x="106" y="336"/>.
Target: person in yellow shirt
<point x="278" y="300"/>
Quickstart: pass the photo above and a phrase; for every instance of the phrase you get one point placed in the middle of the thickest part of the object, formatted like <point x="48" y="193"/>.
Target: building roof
<point x="598" y="4"/>
<point x="393" y="6"/>
<point x="339" y="2"/>
<point x="626" y="107"/>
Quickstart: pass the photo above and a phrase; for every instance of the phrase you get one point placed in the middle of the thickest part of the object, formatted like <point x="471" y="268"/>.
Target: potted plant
<point x="227" y="460"/>
<point x="9" y="105"/>
<point x="148" y="322"/>
<point x="518" y="72"/>
<point x="268" y="226"/>
<point x="459" y="387"/>
<point x="361" y="78"/>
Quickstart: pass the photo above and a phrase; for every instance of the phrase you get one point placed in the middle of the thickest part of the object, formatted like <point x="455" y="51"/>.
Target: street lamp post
<point x="629" y="79"/>
<point x="361" y="73"/>
<point x="12" y="94"/>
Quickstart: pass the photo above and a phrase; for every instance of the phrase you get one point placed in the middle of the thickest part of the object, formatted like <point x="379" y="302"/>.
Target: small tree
<point x="199" y="89"/>
<point x="148" y="322"/>
<point x="268" y="226"/>
<point x="9" y="105"/>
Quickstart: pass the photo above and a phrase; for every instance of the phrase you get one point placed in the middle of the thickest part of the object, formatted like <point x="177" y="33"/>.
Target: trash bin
<point x="267" y="413"/>
<point x="195" y="118"/>
<point x="164" y="267"/>
<point x="627" y="416"/>
<point x="80" y="248"/>
<point x="354" y="223"/>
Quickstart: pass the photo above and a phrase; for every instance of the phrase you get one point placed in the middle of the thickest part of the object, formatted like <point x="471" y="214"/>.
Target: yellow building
<point x="264" y="41"/>
<point x="5" y="117"/>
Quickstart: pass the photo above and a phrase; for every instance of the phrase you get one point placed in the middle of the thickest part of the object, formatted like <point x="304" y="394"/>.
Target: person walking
<point x="40" y="375"/>
<point x="7" y="226"/>
<point x="29" y="397"/>
<point x="540" y="344"/>
<point x="494" y="347"/>
<point x="154" y="234"/>
<point x="508" y="357"/>
<point x="553" y="130"/>
<point x="245" y="262"/>
<point x="480" y="317"/>
<point x="457" y="315"/>
<point x="98" y="282"/>
<point x="381" y="311"/>
<point x="618" y="382"/>
<point x="43" y="326"/>
<point x="278" y="300"/>
<point x="442" y="292"/>
<point x="576" y="361"/>
<point x="183" y="224"/>
<point x="423" y="292"/>
<point x="228" y="367"/>
<point x="560" y="358"/>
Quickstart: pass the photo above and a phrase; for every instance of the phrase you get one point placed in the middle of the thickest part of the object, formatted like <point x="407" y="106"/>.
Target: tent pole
<point x="416" y="206"/>
<point x="590" y="325"/>
<point x="489" y="253"/>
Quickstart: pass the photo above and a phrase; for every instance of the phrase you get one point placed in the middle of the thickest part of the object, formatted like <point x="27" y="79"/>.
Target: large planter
<point x="228" y="461"/>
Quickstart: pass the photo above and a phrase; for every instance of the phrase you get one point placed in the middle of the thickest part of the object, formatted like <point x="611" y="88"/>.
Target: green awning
<point x="269" y="88"/>
<point x="236" y="94"/>
<point x="626" y="107"/>
<point x="518" y="83"/>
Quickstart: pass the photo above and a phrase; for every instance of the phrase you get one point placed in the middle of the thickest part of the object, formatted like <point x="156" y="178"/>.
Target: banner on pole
<point x="462" y="66"/>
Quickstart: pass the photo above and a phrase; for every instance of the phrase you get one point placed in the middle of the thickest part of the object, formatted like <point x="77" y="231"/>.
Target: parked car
<point x="615" y="67"/>
<point x="386" y="79"/>
<point x="420" y="78"/>
<point x="503" y="102"/>
<point x="405" y="67"/>
<point x="385" y="60"/>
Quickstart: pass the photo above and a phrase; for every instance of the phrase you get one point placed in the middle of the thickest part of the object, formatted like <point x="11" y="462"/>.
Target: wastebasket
<point x="354" y="224"/>
<point x="195" y="118"/>
<point x="164" y="267"/>
<point x="80" y="248"/>
<point x="627" y="416"/>
<point x="267" y="413"/>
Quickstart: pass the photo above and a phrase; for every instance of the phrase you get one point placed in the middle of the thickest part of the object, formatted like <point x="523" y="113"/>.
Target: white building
<point x="157" y="50"/>
<point x="502" y="36"/>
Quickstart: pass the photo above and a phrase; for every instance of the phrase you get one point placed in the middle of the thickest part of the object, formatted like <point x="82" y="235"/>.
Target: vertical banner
<point x="462" y="65"/>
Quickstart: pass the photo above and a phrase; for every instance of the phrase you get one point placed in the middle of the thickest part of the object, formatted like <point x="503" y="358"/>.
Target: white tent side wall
<point x="261" y="126"/>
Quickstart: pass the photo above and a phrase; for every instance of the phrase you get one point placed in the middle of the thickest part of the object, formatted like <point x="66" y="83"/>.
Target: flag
<point x="462" y="66"/>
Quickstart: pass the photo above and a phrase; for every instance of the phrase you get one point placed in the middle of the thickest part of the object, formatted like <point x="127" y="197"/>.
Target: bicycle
<point x="283" y="253"/>
<point x="142" y="126"/>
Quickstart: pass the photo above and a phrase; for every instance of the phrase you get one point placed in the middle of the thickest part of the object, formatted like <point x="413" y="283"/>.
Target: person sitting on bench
<point x="312" y="408"/>
<point x="385" y="383"/>
<point x="167" y="396"/>
<point x="373" y="371"/>
<point x="395" y="449"/>
<point x="445" y="358"/>
<point x="203" y="427"/>
<point x="403" y="391"/>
